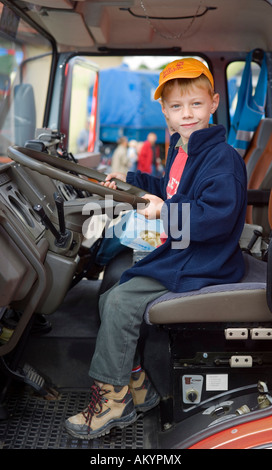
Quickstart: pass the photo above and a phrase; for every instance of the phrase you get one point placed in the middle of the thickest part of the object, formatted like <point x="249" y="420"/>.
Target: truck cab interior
<point x="208" y="352"/>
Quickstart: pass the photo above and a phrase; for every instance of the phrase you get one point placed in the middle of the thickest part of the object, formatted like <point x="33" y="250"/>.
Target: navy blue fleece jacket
<point x="214" y="184"/>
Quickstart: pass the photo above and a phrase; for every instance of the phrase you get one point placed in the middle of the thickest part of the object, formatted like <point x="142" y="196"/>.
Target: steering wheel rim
<point x="54" y="168"/>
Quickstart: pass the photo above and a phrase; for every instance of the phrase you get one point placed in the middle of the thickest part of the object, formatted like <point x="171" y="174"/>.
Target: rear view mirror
<point x="24" y="113"/>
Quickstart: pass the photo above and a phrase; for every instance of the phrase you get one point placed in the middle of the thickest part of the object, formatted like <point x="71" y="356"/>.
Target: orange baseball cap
<point x="182" y="68"/>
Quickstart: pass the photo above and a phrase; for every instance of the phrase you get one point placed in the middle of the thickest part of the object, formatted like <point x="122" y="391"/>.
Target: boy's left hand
<point x="153" y="210"/>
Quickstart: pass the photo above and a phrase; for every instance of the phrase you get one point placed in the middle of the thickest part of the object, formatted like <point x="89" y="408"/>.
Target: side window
<point x="25" y="61"/>
<point x="80" y="106"/>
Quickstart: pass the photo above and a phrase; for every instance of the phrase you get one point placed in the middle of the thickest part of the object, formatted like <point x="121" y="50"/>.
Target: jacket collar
<point x="204" y="138"/>
<point x="201" y="139"/>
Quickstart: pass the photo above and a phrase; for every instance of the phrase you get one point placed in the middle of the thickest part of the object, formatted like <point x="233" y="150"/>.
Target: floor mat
<point x="35" y="423"/>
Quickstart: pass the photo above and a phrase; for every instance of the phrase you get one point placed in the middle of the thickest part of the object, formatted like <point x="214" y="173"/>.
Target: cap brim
<point x="158" y="91"/>
<point x="174" y="75"/>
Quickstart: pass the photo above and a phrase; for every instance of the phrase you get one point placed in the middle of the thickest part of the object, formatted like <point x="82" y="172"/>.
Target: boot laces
<point x="96" y="403"/>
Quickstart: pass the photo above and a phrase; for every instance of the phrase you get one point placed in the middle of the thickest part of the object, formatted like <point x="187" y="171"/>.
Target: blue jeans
<point x="121" y="311"/>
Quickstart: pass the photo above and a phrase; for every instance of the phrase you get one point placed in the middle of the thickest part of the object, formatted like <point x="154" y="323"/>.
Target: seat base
<point x="244" y="301"/>
<point x="220" y="345"/>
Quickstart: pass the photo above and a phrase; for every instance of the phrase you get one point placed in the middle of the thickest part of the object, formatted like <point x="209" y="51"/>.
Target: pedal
<point x="236" y="333"/>
<point x="32" y="378"/>
<point x="261" y="333"/>
<point x="241" y="361"/>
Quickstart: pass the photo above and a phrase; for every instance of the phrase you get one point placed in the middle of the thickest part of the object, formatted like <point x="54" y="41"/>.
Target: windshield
<point x="25" y="61"/>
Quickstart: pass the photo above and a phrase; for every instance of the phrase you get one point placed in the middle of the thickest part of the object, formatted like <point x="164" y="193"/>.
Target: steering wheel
<point x="68" y="172"/>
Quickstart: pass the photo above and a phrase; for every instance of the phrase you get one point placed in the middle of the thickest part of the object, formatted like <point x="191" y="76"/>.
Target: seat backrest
<point x="262" y="166"/>
<point x="257" y="145"/>
<point x="260" y="178"/>
<point x="270" y="210"/>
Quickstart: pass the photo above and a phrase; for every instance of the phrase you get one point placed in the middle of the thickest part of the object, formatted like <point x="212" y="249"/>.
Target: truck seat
<point x="245" y="301"/>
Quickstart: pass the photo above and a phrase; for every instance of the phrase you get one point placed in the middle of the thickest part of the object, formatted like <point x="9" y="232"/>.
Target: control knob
<point x="192" y="395"/>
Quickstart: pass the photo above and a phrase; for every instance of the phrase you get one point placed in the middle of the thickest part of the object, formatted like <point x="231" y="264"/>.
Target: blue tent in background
<point x="127" y="106"/>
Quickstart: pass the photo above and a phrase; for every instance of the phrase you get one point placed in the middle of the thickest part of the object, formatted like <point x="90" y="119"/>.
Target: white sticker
<point x="216" y="382"/>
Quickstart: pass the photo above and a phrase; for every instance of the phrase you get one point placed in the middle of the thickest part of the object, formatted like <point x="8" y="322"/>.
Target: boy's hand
<point x="153" y="210"/>
<point x="111" y="184"/>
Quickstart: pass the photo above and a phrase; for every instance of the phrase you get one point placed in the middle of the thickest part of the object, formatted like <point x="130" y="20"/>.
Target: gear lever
<point x="60" y="204"/>
<point x="61" y="236"/>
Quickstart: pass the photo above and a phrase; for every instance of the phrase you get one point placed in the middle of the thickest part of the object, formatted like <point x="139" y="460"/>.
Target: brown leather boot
<point x="110" y="406"/>
<point x="144" y="394"/>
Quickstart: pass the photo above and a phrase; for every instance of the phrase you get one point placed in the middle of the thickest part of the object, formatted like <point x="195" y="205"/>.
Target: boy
<point x="202" y="170"/>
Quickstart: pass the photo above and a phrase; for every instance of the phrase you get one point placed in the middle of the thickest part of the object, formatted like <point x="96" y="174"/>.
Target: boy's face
<point x="190" y="111"/>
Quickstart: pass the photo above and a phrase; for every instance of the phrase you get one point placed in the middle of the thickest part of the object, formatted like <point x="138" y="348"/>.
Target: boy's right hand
<point x="111" y="184"/>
